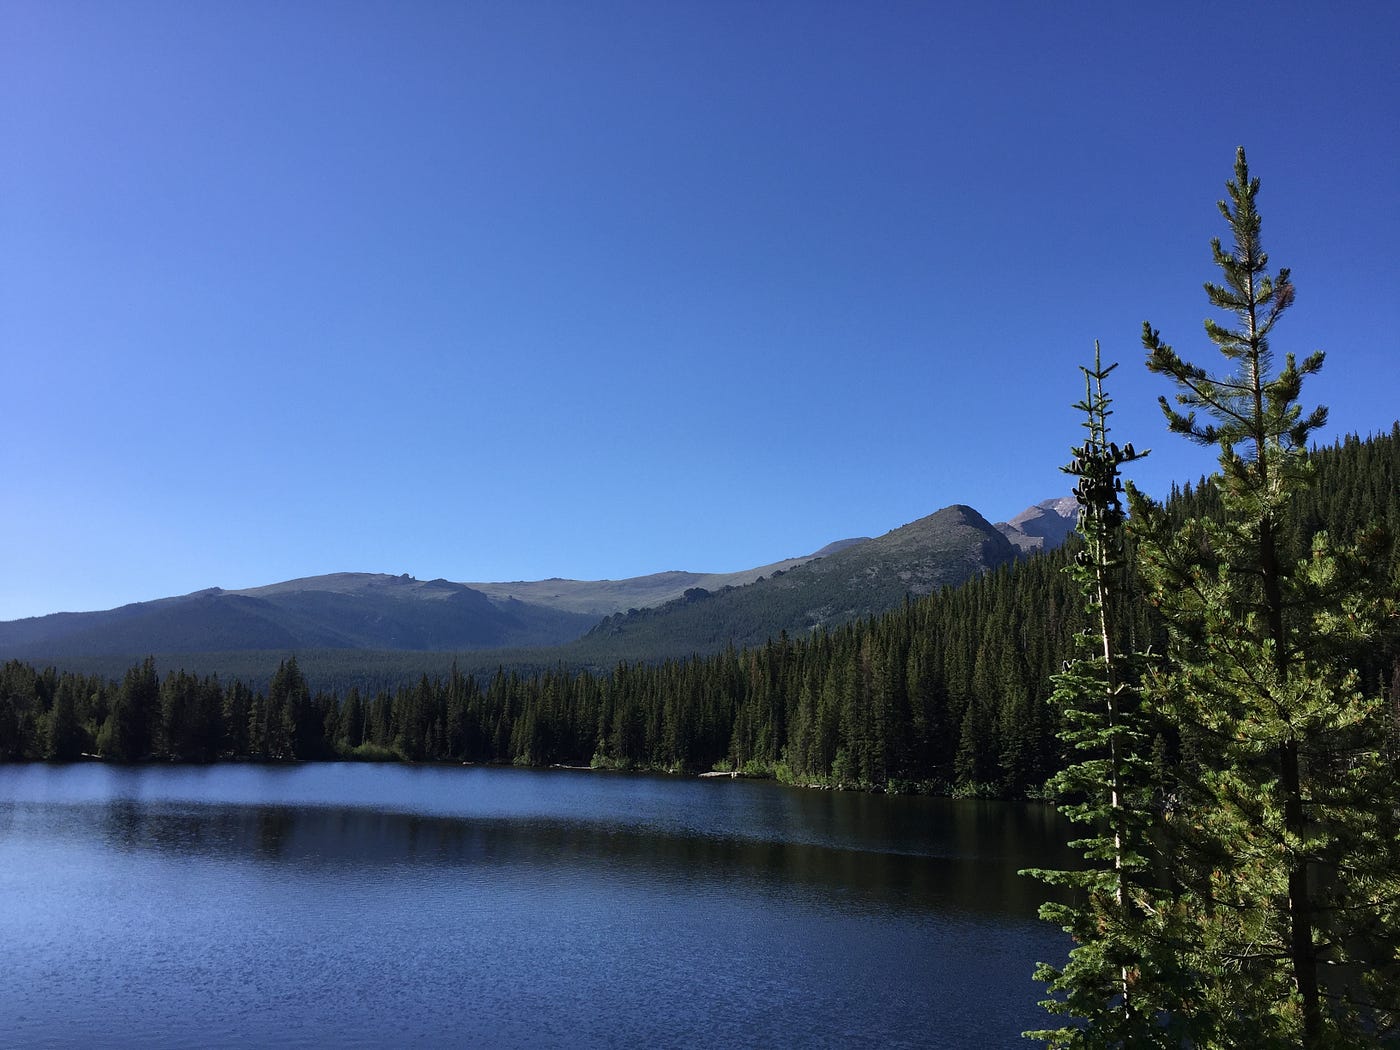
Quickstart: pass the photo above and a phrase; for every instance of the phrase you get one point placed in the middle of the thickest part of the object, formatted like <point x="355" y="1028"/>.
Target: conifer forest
<point x="948" y="694"/>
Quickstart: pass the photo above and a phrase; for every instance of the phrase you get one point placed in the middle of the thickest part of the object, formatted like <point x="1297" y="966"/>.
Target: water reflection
<point x="687" y="806"/>
<point x="380" y="906"/>
<point x="977" y="879"/>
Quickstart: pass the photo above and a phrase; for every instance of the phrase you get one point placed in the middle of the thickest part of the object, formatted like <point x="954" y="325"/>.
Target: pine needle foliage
<point x="1118" y="984"/>
<point x="1284" y="822"/>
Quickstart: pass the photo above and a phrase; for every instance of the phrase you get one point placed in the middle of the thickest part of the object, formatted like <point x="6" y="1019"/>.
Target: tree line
<point x="947" y="694"/>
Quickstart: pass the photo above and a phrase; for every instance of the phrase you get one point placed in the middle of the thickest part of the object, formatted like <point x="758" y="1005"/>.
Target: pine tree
<point x="1286" y="820"/>
<point x="64" y="738"/>
<point x="292" y="728"/>
<point x="352" y="721"/>
<point x="1119" y="979"/>
<point x="127" y="735"/>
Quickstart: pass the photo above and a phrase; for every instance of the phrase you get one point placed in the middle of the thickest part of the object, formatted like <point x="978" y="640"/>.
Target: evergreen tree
<point x="352" y="721"/>
<point x="1286" y="820"/>
<point x="234" y="705"/>
<point x="64" y="738"/>
<point x="292" y="727"/>
<point x="128" y="733"/>
<point x="1119" y="978"/>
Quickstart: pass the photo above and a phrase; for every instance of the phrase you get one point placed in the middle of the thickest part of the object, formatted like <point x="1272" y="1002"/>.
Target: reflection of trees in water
<point x="977" y="877"/>
<point x="125" y="823"/>
<point x="275" y="826"/>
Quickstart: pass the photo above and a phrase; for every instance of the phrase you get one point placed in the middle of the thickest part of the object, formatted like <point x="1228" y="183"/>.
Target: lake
<point x="387" y="905"/>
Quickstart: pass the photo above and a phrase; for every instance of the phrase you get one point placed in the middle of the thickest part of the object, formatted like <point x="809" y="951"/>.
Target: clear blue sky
<point x="508" y="290"/>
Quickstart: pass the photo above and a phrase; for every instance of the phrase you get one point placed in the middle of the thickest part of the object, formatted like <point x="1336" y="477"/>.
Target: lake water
<point x="359" y="905"/>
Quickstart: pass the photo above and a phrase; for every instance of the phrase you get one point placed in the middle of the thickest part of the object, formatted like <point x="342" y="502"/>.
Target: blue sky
<point x="498" y="291"/>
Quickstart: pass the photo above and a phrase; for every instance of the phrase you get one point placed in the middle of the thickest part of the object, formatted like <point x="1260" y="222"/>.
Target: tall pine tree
<point x="1285" y="819"/>
<point x="1121" y="982"/>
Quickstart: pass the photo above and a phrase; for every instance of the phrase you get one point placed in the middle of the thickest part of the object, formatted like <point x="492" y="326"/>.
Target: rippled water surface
<point x="354" y="905"/>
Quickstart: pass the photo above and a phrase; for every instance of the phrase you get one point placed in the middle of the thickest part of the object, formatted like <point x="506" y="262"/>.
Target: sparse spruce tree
<point x="1121" y="984"/>
<point x="1284" y="817"/>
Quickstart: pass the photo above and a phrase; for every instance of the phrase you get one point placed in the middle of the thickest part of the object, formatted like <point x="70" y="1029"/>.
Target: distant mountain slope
<point x="342" y="611"/>
<point x="671" y="613"/>
<point x="857" y="580"/>
<point x="605" y="597"/>
<point x="1044" y="526"/>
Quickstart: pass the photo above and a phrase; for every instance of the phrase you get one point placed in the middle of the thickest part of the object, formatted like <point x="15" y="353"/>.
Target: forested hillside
<point x="867" y="579"/>
<point x="947" y="693"/>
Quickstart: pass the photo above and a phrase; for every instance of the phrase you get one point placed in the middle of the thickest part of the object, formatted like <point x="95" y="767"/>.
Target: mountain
<point x="1042" y="527"/>
<point x="601" y="598"/>
<point x="340" y="611"/>
<point x="856" y="580"/>
<point x="366" y="616"/>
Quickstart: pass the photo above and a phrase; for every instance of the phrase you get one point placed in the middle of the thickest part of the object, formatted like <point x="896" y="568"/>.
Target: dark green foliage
<point x="191" y="718"/>
<point x="128" y="735"/>
<point x="1285" y="804"/>
<point x="65" y="736"/>
<point x="1120" y="983"/>
<point x="235" y="734"/>
<point x="25" y="696"/>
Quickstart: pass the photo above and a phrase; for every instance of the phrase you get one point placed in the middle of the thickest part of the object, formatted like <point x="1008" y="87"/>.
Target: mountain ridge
<point x="859" y="580"/>
<point x="382" y="612"/>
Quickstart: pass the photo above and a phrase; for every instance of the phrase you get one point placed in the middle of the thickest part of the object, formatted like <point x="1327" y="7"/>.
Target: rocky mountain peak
<point x="1042" y="527"/>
